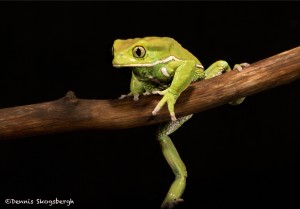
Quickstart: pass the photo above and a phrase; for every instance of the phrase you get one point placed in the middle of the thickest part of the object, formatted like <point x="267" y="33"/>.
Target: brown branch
<point x="70" y="113"/>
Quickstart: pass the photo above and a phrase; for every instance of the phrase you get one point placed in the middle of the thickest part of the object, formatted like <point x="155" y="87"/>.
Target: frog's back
<point x="177" y="50"/>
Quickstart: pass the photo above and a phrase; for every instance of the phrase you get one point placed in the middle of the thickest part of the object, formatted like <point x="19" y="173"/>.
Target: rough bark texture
<point x="70" y="113"/>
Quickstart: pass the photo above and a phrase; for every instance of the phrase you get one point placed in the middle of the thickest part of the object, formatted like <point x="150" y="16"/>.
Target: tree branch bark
<point x="70" y="113"/>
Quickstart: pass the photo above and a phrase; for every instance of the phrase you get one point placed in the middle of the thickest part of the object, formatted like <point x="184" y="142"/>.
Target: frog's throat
<point x="166" y="60"/>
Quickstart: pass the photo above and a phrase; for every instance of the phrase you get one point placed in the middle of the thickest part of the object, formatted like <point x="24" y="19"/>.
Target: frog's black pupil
<point x="138" y="52"/>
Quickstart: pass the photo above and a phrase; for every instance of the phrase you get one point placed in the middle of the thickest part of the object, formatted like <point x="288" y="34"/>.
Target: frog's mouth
<point x="166" y="60"/>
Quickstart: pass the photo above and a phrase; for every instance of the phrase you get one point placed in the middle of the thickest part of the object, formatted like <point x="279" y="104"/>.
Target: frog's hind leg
<point x="169" y="151"/>
<point x="220" y="67"/>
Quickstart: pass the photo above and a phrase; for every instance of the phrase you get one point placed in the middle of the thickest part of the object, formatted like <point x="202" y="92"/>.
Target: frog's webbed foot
<point x="240" y="67"/>
<point x="168" y="204"/>
<point x="170" y="98"/>
<point x="135" y="96"/>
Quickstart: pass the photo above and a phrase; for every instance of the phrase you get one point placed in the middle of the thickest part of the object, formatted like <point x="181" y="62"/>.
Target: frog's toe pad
<point x="173" y="117"/>
<point x="135" y="97"/>
<point x="123" y="96"/>
<point x="172" y="203"/>
<point x="240" y="67"/>
<point x="146" y="93"/>
<point x="155" y="111"/>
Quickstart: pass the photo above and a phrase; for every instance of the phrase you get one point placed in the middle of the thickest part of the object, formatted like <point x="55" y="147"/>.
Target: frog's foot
<point x="169" y="98"/>
<point x="135" y="96"/>
<point x="168" y="204"/>
<point x="158" y="107"/>
<point x="146" y="93"/>
<point x="240" y="67"/>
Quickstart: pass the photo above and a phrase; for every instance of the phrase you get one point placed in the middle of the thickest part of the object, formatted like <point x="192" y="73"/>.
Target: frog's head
<point x="141" y="52"/>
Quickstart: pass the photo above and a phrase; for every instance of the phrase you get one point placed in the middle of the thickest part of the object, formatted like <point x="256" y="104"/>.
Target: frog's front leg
<point x="169" y="151"/>
<point x="184" y="73"/>
<point x="220" y="67"/>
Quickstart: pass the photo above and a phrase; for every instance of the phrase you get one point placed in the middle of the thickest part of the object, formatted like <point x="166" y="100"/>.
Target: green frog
<point x="160" y="65"/>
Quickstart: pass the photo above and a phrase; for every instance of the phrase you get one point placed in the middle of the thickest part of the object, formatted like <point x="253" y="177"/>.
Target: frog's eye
<point x="139" y="52"/>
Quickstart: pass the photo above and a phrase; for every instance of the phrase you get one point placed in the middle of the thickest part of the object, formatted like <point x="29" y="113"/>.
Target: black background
<point x="245" y="156"/>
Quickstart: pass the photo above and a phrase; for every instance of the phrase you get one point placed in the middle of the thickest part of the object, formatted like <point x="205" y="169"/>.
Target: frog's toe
<point x="123" y="96"/>
<point x="155" y="111"/>
<point x="245" y="64"/>
<point x="240" y="67"/>
<point x="171" y="203"/>
<point x="135" y="97"/>
<point x="159" y="92"/>
<point x="173" y="116"/>
<point x="146" y="93"/>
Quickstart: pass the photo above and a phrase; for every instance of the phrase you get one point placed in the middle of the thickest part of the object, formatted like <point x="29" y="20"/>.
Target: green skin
<point x="160" y="65"/>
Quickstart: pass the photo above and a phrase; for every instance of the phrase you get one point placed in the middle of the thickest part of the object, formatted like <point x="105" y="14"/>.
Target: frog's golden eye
<point x="139" y="52"/>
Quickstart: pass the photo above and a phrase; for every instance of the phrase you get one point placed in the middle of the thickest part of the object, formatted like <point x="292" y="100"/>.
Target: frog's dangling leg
<point x="169" y="151"/>
<point x="220" y="67"/>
